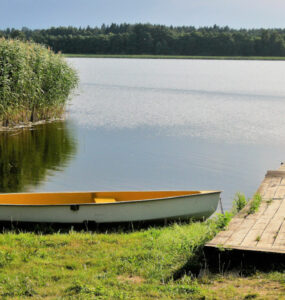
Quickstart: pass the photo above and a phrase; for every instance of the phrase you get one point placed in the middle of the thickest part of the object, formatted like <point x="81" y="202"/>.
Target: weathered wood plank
<point x="269" y="235"/>
<point x="238" y="236"/>
<point x="282" y="182"/>
<point x="270" y="192"/>
<point x="252" y="238"/>
<point x="278" y="173"/>
<point x="279" y="242"/>
<point x="272" y="208"/>
<point x="264" y="185"/>
<point x="218" y="240"/>
<point x="254" y="235"/>
<point x="280" y="192"/>
<point x="261" y="223"/>
<point x="223" y="236"/>
<point x="235" y="223"/>
<point x="263" y="188"/>
<point x="263" y="230"/>
<point x="281" y="209"/>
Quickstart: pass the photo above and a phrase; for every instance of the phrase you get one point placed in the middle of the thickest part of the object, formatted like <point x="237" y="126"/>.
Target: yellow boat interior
<point x="88" y="197"/>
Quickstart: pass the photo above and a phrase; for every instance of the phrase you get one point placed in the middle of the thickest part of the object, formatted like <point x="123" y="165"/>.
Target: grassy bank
<point x="141" y="56"/>
<point x="34" y="83"/>
<point x="123" y="265"/>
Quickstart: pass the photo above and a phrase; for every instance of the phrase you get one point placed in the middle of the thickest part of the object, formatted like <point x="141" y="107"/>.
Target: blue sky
<point x="234" y="13"/>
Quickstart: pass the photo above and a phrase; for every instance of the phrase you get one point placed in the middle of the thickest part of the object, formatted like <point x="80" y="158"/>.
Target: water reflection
<point x="27" y="156"/>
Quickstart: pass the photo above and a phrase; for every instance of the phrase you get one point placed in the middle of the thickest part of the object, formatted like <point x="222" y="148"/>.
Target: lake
<point x="156" y="124"/>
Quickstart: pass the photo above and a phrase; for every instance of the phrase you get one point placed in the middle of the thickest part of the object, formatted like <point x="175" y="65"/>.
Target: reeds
<point x="34" y="82"/>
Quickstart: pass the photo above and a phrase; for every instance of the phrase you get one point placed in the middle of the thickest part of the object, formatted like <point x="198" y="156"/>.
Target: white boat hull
<point x="196" y="206"/>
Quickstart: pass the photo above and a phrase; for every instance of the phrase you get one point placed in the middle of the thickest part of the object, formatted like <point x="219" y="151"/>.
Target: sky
<point x="233" y="13"/>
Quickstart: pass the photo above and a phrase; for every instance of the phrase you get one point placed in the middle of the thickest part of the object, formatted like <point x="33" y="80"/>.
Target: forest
<point x="156" y="39"/>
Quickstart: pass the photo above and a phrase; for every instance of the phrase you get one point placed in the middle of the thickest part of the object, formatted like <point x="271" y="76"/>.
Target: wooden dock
<point x="263" y="231"/>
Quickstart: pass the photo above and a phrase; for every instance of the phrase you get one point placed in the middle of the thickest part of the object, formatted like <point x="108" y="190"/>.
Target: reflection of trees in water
<point x="27" y="155"/>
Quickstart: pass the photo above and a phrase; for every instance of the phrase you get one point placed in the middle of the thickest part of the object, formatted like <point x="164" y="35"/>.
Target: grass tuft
<point x="239" y="202"/>
<point x="255" y="204"/>
<point x="78" y="287"/>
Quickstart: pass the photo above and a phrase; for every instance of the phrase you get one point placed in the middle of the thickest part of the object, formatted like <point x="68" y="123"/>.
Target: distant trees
<point x="157" y="39"/>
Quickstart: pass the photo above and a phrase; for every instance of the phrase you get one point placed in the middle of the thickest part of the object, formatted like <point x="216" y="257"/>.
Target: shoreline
<point x="28" y="125"/>
<point x="150" y="56"/>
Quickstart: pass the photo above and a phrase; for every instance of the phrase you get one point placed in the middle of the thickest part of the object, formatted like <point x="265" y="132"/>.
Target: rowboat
<point x="107" y="207"/>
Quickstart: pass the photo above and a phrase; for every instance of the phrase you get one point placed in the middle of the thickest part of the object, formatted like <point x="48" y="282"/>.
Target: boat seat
<point x="104" y="200"/>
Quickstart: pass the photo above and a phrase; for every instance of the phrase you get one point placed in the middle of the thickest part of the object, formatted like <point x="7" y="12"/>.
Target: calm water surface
<point x="157" y="124"/>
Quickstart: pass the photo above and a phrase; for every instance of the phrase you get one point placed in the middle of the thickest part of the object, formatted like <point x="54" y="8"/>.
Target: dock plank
<point x="280" y="239"/>
<point x="238" y="236"/>
<point x="269" y="235"/>
<point x="265" y="229"/>
<point x="281" y="210"/>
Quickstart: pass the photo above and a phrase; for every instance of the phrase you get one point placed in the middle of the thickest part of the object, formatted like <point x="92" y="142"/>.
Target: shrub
<point x="223" y="220"/>
<point x="34" y="82"/>
<point x="239" y="202"/>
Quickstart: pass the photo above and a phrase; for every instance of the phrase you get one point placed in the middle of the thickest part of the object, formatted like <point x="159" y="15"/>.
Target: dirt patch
<point x="131" y="279"/>
<point x="249" y="288"/>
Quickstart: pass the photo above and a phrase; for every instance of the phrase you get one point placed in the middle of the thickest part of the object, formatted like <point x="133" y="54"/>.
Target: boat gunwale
<point x="107" y="203"/>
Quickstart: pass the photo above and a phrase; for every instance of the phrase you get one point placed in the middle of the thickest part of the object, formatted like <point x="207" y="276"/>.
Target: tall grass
<point x="34" y="82"/>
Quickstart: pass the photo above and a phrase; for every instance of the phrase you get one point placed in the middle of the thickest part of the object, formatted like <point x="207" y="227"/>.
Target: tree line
<point x="156" y="39"/>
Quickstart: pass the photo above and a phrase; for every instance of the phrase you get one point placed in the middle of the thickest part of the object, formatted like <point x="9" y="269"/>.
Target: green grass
<point x="144" y="56"/>
<point x="122" y="265"/>
<point x="254" y="204"/>
<point x="115" y="265"/>
<point x="34" y="82"/>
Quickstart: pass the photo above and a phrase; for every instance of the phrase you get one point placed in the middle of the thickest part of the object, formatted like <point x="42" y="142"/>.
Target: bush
<point x="239" y="202"/>
<point x="223" y="220"/>
<point x="34" y="82"/>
